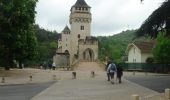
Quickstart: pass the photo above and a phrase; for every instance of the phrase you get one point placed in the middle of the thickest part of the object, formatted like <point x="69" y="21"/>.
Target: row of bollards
<point x="167" y="95"/>
<point x="30" y="78"/>
<point x="74" y="74"/>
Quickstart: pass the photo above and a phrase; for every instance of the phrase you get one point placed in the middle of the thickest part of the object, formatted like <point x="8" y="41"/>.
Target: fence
<point x="147" y="67"/>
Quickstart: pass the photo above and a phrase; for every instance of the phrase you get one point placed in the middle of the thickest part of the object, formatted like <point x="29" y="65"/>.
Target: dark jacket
<point x="119" y="71"/>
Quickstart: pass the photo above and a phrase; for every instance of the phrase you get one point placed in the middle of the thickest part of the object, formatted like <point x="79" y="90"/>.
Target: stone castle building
<point x="76" y="43"/>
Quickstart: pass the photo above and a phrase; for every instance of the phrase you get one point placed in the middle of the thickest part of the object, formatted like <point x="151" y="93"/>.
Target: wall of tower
<point x="66" y="38"/>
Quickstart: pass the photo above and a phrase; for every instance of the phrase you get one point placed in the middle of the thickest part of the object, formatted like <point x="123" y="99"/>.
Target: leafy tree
<point x="47" y="44"/>
<point x="161" y="51"/>
<point x="158" y="20"/>
<point x="17" y="38"/>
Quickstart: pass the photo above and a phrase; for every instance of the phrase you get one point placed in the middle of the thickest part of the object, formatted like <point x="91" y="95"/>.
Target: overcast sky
<point x="108" y="16"/>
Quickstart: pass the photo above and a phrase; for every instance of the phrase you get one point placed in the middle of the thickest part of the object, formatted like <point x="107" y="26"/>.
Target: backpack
<point x="113" y="67"/>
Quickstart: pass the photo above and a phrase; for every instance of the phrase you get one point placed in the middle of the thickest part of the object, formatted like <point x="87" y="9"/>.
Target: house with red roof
<point x="139" y="52"/>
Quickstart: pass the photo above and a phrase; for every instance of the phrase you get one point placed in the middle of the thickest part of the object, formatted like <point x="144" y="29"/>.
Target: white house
<point x="139" y="52"/>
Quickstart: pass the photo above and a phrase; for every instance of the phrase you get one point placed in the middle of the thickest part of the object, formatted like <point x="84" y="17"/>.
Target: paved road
<point x="22" y="92"/>
<point x="155" y="82"/>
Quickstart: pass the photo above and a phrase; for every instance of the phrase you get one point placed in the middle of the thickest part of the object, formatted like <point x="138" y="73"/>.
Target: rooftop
<point x="145" y="47"/>
<point x="81" y="3"/>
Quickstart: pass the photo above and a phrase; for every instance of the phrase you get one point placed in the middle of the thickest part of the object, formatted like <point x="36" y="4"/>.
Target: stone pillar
<point x="30" y="77"/>
<point x="167" y="93"/>
<point x="3" y="80"/>
<point x="73" y="75"/>
<point x="92" y="74"/>
<point x="54" y="77"/>
<point x="135" y="97"/>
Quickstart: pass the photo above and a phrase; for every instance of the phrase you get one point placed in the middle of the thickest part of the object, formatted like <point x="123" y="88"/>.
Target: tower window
<point x="78" y="35"/>
<point x="86" y="9"/>
<point x="82" y="27"/>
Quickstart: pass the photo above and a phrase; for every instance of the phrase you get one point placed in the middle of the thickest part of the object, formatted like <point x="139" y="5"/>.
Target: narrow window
<point x="134" y="50"/>
<point x="78" y="35"/>
<point x="82" y="27"/>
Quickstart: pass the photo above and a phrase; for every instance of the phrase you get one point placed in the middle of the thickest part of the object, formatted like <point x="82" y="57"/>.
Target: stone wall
<point x="61" y="60"/>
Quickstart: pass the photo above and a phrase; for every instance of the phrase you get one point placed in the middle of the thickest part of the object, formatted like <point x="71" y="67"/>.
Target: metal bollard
<point x="135" y="97"/>
<point x="3" y="80"/>
<point x="167" y="93"/>
<point x="73" y="75"/>
<point x="30" y="77"/>
<point x="92" y="74"/>
<point x="54" y="77"/>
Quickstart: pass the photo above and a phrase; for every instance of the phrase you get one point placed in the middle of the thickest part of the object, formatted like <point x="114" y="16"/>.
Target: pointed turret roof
<point x="66" y="29"/>
<point x="81" y="3"/>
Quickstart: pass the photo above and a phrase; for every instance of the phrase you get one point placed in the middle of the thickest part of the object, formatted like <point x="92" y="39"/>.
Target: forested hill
<point x="47" y="44"/>
<point x="115" y="46"/>
<point x="111" y="46"/>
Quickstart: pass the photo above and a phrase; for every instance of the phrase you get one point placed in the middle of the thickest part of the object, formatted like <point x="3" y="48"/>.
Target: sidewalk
<point x="86" y="88"/>
<point x="82" y="88"/>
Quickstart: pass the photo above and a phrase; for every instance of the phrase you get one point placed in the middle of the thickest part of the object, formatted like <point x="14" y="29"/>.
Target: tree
<point x="17" y="37"/>
<point x="158" y="20"/>
<point x="47" y="44"/>
<point x="161" y="51"/>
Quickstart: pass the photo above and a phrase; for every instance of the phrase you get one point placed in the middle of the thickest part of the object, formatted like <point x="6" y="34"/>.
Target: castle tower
<point x="80" y="22"/>
<point x="76" y="44"/>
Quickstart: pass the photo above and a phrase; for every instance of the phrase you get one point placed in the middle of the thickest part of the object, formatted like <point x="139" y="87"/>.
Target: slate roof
<point x="81" y="3"/>
<point x="66" y="29"/>
<point x="145" y="47"/>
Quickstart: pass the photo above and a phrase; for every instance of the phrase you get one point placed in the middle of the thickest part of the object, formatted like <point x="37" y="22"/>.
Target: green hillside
<point x="114" y="46"/>
<point x="110" y="46"/>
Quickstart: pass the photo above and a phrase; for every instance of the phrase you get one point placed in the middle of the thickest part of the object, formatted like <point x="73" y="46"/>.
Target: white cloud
<point x="109" y="16"/>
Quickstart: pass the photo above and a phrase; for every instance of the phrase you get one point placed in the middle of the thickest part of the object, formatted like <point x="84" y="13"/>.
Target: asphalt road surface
<point x="22" y="92"/>
<point x="155" y="82"/>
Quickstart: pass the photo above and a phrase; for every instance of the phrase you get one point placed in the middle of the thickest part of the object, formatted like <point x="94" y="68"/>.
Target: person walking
<point x="112" y="70"/>
<point x="53" y="66"/>
<point x="108" y="73"/>
<point x="119" y="73"/>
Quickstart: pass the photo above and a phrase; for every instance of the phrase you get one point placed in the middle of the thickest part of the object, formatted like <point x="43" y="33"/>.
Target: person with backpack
<point x="112" y="70"/>
<point x="108" y="73"/>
